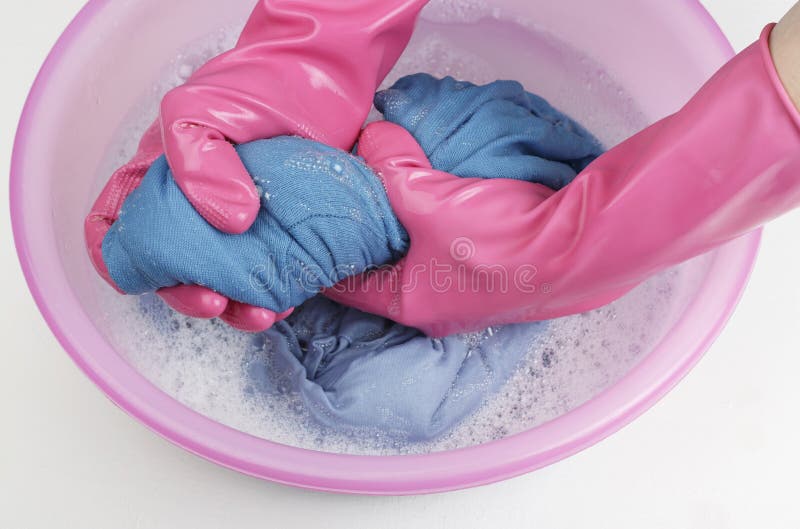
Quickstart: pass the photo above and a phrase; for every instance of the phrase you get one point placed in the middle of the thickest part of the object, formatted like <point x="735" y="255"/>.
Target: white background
<point x="721" y="451"/>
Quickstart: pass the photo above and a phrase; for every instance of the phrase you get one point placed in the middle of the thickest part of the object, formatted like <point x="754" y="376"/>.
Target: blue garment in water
<point x="496" y="130"/>
<point x="358" y="371"/>
<point x="325" y="215"/>
<point x="359" y="374"/>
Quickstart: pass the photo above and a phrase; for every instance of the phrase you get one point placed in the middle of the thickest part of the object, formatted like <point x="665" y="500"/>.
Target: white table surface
<point x="719" y="452"/>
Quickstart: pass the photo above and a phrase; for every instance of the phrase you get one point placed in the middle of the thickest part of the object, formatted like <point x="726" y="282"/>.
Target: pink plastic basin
<point x="661" y="52"/>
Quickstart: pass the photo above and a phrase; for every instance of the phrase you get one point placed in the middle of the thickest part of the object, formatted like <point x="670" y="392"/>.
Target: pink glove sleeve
<point x="301" y="67"/>
<point x="725" y="164"/>
<point x="728" y="162"/>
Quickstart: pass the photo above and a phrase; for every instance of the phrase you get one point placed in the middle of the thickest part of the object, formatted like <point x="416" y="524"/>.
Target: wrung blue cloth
<point x="325" y="216"/>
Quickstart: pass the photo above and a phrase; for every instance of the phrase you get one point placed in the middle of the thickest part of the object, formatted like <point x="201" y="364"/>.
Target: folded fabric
<point x="358" y="374"/>
<point x="488" y="131"/>
<point x="358" y="371"/>
<point x="325" y="215"/>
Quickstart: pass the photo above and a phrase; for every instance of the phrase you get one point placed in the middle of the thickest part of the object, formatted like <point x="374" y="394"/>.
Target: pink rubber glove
<point x="301" y="67"/>
<point x="487" y="252"/>
<point x="307" y="68"/>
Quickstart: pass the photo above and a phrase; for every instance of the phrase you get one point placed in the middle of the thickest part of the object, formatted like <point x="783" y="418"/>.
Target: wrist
<point x="785" y="48"/>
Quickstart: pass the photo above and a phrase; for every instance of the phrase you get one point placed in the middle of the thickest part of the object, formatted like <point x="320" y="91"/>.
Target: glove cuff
<point x="774" y="77"/>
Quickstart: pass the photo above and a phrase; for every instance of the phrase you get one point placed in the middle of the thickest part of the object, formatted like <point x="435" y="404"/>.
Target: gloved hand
<point x="726" y="163"/>
<point x="302" y="68"/>
<point x="191" y="300"/>
<point x="258" y="90"/>
<point x="324" y="216"/>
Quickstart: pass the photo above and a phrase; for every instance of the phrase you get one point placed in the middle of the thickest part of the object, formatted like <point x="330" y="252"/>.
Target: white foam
<point x="449" y="11"/>
<point x="204" y="364"/>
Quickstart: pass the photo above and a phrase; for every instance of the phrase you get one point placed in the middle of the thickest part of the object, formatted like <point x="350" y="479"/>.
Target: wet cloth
<point x="324" y="214"/>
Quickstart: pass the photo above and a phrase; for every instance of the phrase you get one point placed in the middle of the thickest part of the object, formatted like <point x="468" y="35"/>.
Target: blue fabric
<point x="496" y="130"/>
<point x="325" y="215"/>
<point x="357" y="374"/>
<point x="358" y="371"/>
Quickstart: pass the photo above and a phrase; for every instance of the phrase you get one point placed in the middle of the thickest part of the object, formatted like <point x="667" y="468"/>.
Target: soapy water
<point x="205" y="364"/>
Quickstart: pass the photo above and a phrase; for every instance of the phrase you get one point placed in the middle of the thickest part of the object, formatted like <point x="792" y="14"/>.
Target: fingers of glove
<point x="199" y="302"/>
<point x="377" y="291"/>
<point x="248" y="318"/>
<point x="283" y="315"/>
<point x="419" y="194"/>
<point x="194" y="301"/>
<point x="210" y="173"/>
<point x="384" y="145"/>
<point x="399" y="162"/>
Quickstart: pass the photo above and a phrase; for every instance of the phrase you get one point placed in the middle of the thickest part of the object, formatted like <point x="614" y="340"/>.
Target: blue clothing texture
<point x="360" y="371"/>
<point x="358" y="374"/>
<point x="496" y="130"/>
<point x="325" y="215"/>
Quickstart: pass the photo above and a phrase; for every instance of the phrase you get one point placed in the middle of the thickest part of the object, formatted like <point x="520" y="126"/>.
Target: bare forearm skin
<point x="785" y="45"/>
